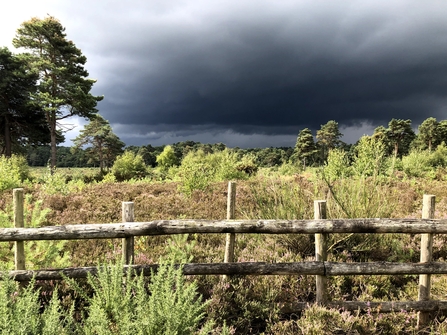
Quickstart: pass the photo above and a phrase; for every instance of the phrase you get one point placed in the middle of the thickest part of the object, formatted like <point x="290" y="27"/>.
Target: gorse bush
<point x="424" y="164"/>
<point x="129" y="165"/>
<point x="168" y="305"/>
<point x="55" y="181"/>
<point x="20" y="311"/>
<point x="418" y="164"/>
<point x="13" y="171"/>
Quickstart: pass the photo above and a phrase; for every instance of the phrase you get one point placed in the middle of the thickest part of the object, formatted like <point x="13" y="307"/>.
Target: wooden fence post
<point x="428" y="212"/>
<point x="231" y="214"/>
<point x="19" y="247"/>
<point x="320" y="251"/>
<point x="128" y="242"/>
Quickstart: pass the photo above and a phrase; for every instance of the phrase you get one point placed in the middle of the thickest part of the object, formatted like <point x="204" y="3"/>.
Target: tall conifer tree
<point x="63" y="88"/>
<point x="21" y="122"/>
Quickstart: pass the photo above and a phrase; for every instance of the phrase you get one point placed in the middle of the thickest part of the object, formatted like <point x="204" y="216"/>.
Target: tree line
<point x="104" y="146"/>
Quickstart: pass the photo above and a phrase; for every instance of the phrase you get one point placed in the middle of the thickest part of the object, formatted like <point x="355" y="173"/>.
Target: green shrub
<point x="280" y="198"/>
<point x="20" y="311"/>
<point x="39" y="254"/>
<point x="438" y="158"/>
<point x="337" y="165"/>
<point x="13" y="171"/>
<point x="167" y="158"/>
<point x="418" y="164"/>
<point x="199" y="169"/>
<point x="169" y="305"/>
<point x="370" y="158"/>
<point x="129" y="165"/>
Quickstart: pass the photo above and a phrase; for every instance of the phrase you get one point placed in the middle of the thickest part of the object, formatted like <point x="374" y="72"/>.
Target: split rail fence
<point x="320" y="268"/>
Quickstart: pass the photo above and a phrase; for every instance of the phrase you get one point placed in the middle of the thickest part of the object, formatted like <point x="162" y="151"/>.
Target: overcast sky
<point x="253" y="73"/>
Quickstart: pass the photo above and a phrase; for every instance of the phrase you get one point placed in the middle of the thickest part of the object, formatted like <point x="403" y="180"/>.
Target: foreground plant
<point x="20" y="311"/>
<point x="168" y="304"/>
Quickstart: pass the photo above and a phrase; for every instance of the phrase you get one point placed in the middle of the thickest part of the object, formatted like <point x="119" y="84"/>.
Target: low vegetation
<point x="369" y="183"/>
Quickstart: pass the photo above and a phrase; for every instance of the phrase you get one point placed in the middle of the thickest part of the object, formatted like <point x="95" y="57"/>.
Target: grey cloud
<point x="261" y="69"/>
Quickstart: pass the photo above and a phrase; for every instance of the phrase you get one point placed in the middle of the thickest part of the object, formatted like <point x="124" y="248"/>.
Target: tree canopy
<point x="328" y="137"/>
<point x="21" y="122"/>
<point x="400" y="134"/>
<point x="305" y="147"/>
<point x="105" y="146"/>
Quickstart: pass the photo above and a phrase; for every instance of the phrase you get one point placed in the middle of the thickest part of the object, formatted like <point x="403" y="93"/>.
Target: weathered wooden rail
<point x="320" y="226"/>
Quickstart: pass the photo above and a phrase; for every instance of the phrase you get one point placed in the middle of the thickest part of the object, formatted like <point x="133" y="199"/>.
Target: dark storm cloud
<point x="229" y="69"/>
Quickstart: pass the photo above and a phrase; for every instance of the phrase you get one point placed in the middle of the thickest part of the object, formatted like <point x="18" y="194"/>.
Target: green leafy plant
<point x="198" y="169"/>
<point x="14" y="170"/>
<point x="370" y="158"/>
<point x="168" y="305"/>
<point x="39" y="254"/>
<point x="167" y="158"/>
<point x="20" y="311"/>
<point x="129" y="165"/>
<point x="337" y="166"/>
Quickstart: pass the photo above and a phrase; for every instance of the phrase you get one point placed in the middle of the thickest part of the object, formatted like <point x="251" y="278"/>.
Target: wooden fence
<point x="320" y="268"/>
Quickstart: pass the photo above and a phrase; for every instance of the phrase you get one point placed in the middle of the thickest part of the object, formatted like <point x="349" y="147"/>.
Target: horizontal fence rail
<point x="170" y="227"/>
<point x="320" y="268"/>
<point x="253" y="268"/>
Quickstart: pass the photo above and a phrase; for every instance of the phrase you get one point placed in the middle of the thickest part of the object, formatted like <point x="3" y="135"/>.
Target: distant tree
<point x="328" y="137"/>
<point x="442" y="128"/>
<point x="63" y="89"/>
<point x="105" y="146"/>
<point x="167" y="158"/>
<point x="21" y="122"/>
<point x="400" y="135"/>
<point x="429" y="132"/>
<point x="380" y="134"/>
<point x="305" y="147"/>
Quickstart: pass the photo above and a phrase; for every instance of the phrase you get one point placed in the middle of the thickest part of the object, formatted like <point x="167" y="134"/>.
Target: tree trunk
<point x="52" y="127"/>
<point x="7" y="133"/>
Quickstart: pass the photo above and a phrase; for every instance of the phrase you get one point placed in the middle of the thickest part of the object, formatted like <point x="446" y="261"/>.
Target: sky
<point x="252" y="73"/>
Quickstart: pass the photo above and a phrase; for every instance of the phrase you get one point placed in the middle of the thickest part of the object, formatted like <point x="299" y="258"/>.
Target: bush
<point x="167" y="158"/>
<point x="169" y="305"/>
<point x="199" y="169"/>
<point x="337" y="165"/>
<point x="39" y="254"/>
<point x="370" y="158"/>
<point x="13" y="171"/>
<point x="129" y="165"/>
<point x="418" y="164"/>
<point x="56" y="182"/>
<point x="20" y="311"/>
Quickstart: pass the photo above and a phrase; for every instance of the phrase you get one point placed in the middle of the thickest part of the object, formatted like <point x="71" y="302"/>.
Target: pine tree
<point x="429" y="132"/>
<point x="400" y="135"/>
<point x="21" y="123"/>
<point x="105" y="145"/>
<point x="305" y="147"/>
<point x="63" y="88"/>
<point x="328" y="137"/>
